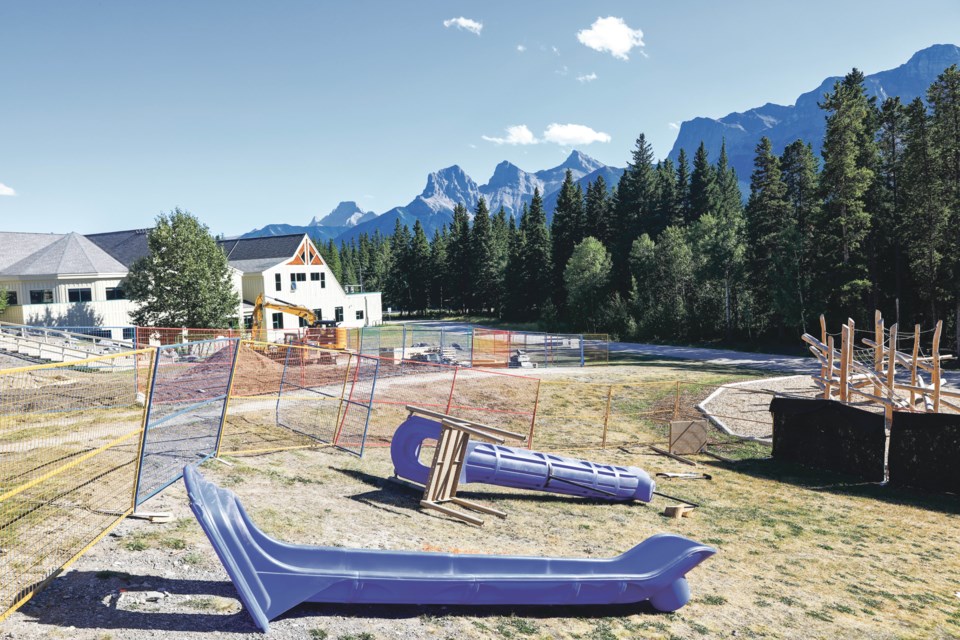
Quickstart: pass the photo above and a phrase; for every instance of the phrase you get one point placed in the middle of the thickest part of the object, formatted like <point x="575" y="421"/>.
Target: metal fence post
<point x="453" y="386"/>
<point x="147" y="406"/>
<point x="403" y="344"/>
<point x="226" y="401"/>
<point x="606" y="418"/>
<point x="676" y="403"/>
<point x="533" y="419"/>
<point x="581" y="350"/>
<point x="373" y="388"/>
<point x="283" y="379"/>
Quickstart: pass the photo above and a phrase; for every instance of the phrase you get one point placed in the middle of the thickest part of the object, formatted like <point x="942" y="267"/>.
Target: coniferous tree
<point x="666" y="207"/>
<point x="349" y="268"/>
<point x="634" y="196"/>
<point x="596" y="212"/>
<point x="770" y="226"/>
<point x="501" y="246"/>
<point x="944" y="98"/>
<point x="438" y="269"/>
<point x="331" y="255"/>
<point x="460" y="284"/>
<point x="704" y="191"/>
<point x="565" y="232"/>
<point x="844" y="183"/>
<point x="483" y="267"/>
<point x="683" y="189"/>
<point x="399" y="282"/>
<point x="515" y="302"/>
<point x="799" y="170"/>
<point x="419" y="268"/>
<point x="537" y="266"/>
<point x="889" y="262"/>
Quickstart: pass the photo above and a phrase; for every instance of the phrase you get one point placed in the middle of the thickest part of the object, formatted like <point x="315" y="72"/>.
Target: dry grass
<point x="801" y="553"/>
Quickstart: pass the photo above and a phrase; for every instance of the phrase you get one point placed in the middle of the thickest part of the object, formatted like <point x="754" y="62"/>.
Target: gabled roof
<point x="59" y="255"/>
<point x="245" y="254"/>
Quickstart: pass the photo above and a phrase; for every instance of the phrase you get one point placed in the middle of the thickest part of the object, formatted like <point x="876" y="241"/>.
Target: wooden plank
<point x="826" y="382"/>
<point x="844" y="363"/>
<point x="479" y="433"/>
<point x="664" y="452"/>
<point x="878" y="348"/>
<point x="936" y="366"/>
<point x="891" y="372"/>
<point x="455" y="513"/>
<point x="476" y="506"/>
<point x="476" y="425"/>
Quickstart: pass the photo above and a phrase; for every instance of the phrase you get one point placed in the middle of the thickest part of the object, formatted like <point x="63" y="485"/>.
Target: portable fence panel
<point x="251" y="422"/>
<point x="494" y="398"/>
<point x="401" y="383"/>
<point x="570" y="415"/>
<point x="163" y="336"/>
<point x="352" y="423"/>
<point x="313" y="383"/>
<point x="596" y="349"/>
<point x="186" y="407"/>
<point x="69" y="440"/>
<point x="491" y="348"/>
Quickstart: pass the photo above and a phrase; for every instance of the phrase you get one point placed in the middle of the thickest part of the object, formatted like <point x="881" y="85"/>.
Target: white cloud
<point x="465" y="24"/>
<point x="674" y="125"/>
<point x="6" y="191"/>
<point x="518" y="134"/>
<point x="555" y="50"/>
<point x="521" y="48"/>
<point x="612" y="35"/>
<point x="573" y="134"/>
<point x="562" y="71"/>
<point x="590" y="77"/>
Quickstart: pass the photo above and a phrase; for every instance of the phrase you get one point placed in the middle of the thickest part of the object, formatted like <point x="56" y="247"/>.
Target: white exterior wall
<point x="98" y="312"/>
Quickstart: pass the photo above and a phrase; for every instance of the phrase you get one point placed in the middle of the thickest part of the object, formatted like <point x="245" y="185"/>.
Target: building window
<point x="129" y="333"/>
<point x="303" y="322"/>
<point x="318" y="314"/>
<point x="298" y="277"/>
<point x="116" y="293"/>
<point x="278" y="321"/>
<point x="338" y="314"/>
<point x="323" y="281"/>
<point x="360" y="314"/>
<point x="41" y="296"/>
<point x="315" y="276"/>
<point x="11" y="298"/>
<point x="79" y="295"/>
<point x="279" y="282"/>
<point x="248" y="322"/>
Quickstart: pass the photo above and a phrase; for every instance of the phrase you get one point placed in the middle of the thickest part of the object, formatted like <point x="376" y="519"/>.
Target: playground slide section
<point x="273" y="577"/>
<point x="520" y="468"/>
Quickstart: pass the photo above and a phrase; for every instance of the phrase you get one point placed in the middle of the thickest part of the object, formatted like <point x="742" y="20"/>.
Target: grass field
<point x="801" y="554"/>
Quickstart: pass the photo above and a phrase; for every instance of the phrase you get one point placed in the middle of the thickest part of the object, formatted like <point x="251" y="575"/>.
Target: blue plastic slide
<point x="520" y="468"/>
<point x="273" y="577"/>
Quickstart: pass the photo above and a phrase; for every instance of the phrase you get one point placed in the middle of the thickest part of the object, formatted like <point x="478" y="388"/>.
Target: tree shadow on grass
<point x="87" y="600"/>
<point x="831" y="482"/>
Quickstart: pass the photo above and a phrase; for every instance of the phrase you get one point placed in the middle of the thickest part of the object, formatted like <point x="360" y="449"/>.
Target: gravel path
<point x="744" y="407"/>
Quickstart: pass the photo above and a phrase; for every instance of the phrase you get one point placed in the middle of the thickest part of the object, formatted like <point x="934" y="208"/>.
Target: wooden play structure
<point x="448" y="459"/>
<point x="870" y="373"/>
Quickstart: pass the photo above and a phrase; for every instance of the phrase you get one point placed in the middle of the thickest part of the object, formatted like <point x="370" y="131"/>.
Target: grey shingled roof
<point x="244" y="254"/>
<point x="67" y="254"/>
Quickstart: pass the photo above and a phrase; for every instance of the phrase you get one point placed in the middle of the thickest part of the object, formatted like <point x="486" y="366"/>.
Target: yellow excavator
<point x="325" y="333"/>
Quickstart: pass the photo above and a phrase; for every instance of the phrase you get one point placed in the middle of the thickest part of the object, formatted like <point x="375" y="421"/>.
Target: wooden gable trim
<point x="306" y="254"/>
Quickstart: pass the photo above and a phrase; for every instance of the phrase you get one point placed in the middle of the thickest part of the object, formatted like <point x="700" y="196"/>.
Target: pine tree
<point x="331" y="255"/>
<point x="596" y="214"/>
<point x="844" y="183"/>
<point x="501" y="247"/>
<point x="944" y="98"/>
<point x="683" y="205"/>
<point x="460" y="284"/>
<point x="483" y="268"/>
<point x="889" y="262"/>
<point x="799" y="169"/>
<point x="665" y="210"/>
<point x="398" y="287"/>
<point x="515" y="303"/>
<point x="704" y="191"/>
<point x="438" y="269"/>
<point x="419" y="268"/>
<point x="770" y="225"/>
<point x="565" y="233"/>
<point x="537" y="266"/>
<point x="634" y="197"/>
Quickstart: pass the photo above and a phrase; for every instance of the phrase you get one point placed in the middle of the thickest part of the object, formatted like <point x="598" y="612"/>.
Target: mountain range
<point x="804" y="119"/>
<point x="511" y="187"/>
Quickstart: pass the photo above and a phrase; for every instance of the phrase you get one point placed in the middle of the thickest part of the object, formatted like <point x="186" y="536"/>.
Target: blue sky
<point x="247" y="113"/>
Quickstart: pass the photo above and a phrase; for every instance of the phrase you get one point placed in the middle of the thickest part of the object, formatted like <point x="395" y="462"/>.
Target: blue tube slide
<point x="520" y="468"/>
<point x="272" y="577"/>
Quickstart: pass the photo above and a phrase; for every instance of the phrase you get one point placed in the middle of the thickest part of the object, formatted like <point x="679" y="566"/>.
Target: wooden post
<point x="891" y="372"/>
<point x="606" y="418"/>
<point x="828" y="378"/>
<point x="533" y="419"/>
<point x="936" y="366"/>
<point x="844" y="364"/>
<point x="913" y="367"/>
<point x="676" y="403"/>
<point x="877" y="349"/>
<point x="823" y="338"/>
